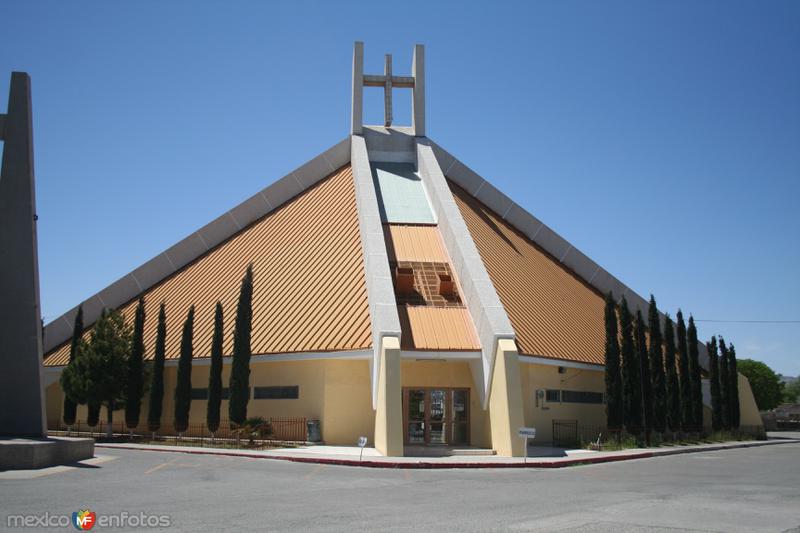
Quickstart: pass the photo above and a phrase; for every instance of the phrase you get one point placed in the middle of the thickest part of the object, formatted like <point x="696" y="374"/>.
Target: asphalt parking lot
<point x="756" y="489"/>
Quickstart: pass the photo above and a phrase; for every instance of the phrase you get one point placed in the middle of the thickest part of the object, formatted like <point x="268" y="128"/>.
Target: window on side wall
<point x="202" y="393"/>
<point x="276" y="393"/>
<point x="552" y="396"/>
<point x="579" y="396"/>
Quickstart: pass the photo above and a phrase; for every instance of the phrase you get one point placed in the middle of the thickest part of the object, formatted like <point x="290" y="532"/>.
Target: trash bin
<point x="313" y="432"/>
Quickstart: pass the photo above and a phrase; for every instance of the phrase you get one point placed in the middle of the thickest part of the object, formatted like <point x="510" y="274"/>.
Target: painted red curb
<point x="368" y="463"/>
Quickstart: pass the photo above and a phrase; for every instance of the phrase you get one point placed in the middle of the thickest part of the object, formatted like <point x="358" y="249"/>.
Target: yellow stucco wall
<point x="336" y="392"/>
<point x="748" y="410"/>
<point x="455" y="375"/>
<point x="541" y="414"/>
<point x="348" y="410"/>
<point x="389" y="410"/>
<point x="505" y="401"/>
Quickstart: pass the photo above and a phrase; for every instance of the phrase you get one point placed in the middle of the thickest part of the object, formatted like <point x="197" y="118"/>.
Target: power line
<point x="749" y="321"/>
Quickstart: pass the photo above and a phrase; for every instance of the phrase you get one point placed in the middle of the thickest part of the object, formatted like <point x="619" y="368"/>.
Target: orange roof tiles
<point x="554" y="313"/>
<point x="437" y="328"/>
<point x="428" y="327"/>
<point x="414" y="243"/>
<point x="309" y="290"/>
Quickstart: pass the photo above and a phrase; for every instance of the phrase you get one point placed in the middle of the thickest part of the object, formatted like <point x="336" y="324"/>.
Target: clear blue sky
<point x="661" y="138"/>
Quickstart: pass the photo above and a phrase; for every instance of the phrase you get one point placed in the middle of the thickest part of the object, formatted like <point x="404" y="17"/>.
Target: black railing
<point x="277" y="431"/>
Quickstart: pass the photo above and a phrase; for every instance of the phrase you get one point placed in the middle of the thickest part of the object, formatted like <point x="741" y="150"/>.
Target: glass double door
<point x="436" y="416"/>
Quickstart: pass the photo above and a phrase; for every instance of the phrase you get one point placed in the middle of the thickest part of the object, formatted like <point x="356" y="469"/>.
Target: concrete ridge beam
<point x="199" y="242"/>
<point x="488" y="314"/>
<point x="380" y="291"/>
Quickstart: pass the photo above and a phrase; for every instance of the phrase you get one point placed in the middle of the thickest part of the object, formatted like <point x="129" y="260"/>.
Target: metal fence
<point x="571" y="434"/>
<point x="565" y="434"/>
<point x="283" y="431"/>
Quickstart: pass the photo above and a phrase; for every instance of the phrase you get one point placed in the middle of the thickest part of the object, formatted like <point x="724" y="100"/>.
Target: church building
<point x="397" y="295"/>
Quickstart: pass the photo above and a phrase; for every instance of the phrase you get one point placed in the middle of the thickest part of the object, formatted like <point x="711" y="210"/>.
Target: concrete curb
<point x="429" y="465"/>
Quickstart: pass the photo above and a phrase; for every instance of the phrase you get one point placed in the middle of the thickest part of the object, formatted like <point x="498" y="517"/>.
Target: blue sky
<point x="661" y="138"/>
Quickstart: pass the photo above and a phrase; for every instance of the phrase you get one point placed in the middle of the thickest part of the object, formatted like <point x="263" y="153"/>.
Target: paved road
<point x="754" y="489"/>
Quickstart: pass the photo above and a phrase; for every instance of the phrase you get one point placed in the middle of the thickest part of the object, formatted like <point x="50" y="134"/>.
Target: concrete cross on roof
<point x="387" y="80"/>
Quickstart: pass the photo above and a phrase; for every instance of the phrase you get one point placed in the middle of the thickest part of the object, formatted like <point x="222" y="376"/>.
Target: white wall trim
<point x="532" y="359"/>
<point x="443" y="356"/>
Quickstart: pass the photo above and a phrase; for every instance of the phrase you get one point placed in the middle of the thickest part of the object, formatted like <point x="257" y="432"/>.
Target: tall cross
<point x="415" y="82"/>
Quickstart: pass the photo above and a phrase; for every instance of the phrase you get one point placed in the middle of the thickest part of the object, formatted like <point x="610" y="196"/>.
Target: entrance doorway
<point x="436" y="416"/>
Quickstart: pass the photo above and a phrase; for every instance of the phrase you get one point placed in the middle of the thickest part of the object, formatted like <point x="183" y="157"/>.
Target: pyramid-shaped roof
<point x="384" y="234"/>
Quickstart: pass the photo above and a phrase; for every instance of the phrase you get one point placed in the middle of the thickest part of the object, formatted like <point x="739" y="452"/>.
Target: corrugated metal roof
<point x="554" y="313"/>
<point x="437" y="325"/>
<point x="309" y="290"/>
<point x="414" y="243"/>
<point x="428" y="328"/>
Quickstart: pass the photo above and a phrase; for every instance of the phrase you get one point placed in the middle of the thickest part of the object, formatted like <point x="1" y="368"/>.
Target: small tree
<point x="215" y="373"/>
<point x="685" y="378"/>
<point x="656" y="354"/>
<point x="673" y="386"/>
<point x="640" y="332"/>
<point x="724" y="385"/>
<point x="135" y="386"/>
<point x="695" y="376"/>
<point x="791" y="392"/>
<point x="764" y="382"/>
<point x="631" y="373"/>
<point x="733" y="388"/>
<point x="183" y="387"/>
<point x="614" y="408"/>
<point x="157" y="386"/>
<point x="716" y="396"/>
<point x="239" y="388"/>
<point x="99" y="373"/>
<point x="70" y="406"/>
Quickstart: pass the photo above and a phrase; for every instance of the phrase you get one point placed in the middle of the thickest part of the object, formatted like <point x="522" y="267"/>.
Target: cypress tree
<point x="183" y="387"/>
<point x="640" y="332"/>
<point x="215" y="374"/>
<point x="240" y="365"/>
<point x="695" y="377"/>
<point x="631" y="374"/>
<point x="713" y="376"/>
<point x="613" y="372"/>
<point x="71" y="406"/>
<point x="157" y="387"/>
<point x="733" y="372"/>
<point x="685" y="377"/>
<point x="93" y="415"/>
<point x="724" y="384"/>
<point x="134" y="389"/>
<point x="656" y="354"/>
<point x="673" y="387"/>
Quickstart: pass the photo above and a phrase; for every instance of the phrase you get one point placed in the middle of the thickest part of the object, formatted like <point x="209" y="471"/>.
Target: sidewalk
<point x="349" y="456"/>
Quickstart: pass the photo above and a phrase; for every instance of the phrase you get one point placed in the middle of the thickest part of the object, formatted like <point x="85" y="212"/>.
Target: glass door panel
<point x="437" y="416"/>
<point x="416" y="416"/>
<point x="460" y="417"/>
